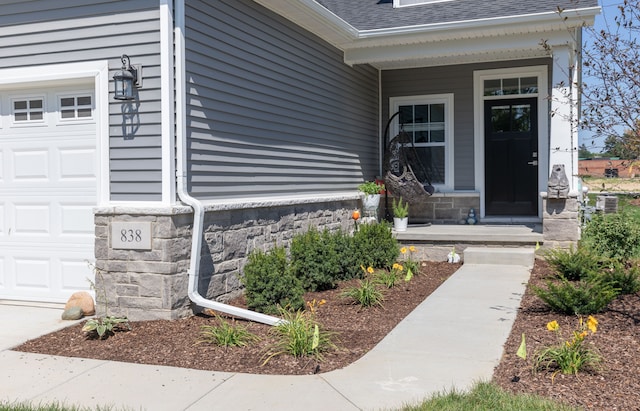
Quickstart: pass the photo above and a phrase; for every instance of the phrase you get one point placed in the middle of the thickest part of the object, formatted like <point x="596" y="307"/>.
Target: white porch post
<point x="563" y="139"/>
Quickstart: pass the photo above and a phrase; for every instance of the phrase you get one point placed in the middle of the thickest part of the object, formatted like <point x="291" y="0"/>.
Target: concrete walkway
<point x="453" y="339"/>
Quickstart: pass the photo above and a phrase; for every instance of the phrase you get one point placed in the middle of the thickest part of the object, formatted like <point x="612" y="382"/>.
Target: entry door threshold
<point x="510" y="220"/>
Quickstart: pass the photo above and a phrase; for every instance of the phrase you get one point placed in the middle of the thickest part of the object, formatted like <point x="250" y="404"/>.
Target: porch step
<point x="500" y="256"/>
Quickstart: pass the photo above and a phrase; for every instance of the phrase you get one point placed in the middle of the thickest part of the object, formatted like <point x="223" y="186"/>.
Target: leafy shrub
<point x="226" y="334"/>
<point x="573" y="264"/>
<point x="270" y="282"/>
<point x="375" y="246"/>
<point x="625" y="280"/>
<point x="583" y="297"/>
<point x="612" y="235"/>
<point x="315" y="259"/>
<point x="103" y="327"/>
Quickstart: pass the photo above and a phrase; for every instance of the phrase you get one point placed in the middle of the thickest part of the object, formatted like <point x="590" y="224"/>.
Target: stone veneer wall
<point x="153" y="284"/>
<point x="440" y="208"/>
<point x="560" y="221"/>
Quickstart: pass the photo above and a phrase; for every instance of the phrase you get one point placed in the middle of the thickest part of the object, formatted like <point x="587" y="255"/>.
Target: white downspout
<point x="181" y="175"/>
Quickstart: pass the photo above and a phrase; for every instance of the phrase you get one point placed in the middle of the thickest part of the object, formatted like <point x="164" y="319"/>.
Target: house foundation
<point x="440" y="208"/>
<point x="143" y="255"/>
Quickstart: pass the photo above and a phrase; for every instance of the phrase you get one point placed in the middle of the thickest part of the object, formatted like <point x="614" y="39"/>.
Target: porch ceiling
<point x="458" y="42"/>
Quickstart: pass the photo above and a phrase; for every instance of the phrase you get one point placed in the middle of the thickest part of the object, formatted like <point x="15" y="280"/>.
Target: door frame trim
<point x="479" y="76"/>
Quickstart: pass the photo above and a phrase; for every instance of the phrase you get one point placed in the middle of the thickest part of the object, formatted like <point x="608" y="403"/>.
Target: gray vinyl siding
<point x="271" y="109"/>
<point x="448" y="79"/>
<point x="51" y="32"/>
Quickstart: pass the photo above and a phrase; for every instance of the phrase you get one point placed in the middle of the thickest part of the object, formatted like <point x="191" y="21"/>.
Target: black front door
<point x="511" y="157"/>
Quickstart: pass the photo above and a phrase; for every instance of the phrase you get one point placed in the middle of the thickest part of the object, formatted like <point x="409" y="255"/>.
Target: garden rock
<point x="72" y="313"/>
<point x="82" y="299"/>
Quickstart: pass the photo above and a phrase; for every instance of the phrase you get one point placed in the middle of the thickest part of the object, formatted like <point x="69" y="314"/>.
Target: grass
<point x="487" y="397"/>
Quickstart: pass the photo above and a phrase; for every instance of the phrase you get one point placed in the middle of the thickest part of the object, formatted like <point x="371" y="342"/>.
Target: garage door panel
<point x="48" y="188"/>
<point x="31" y="220"/>
<point x="76" y="164"/>
<point x="31" y="165"/>
<point x="76" y="220"/>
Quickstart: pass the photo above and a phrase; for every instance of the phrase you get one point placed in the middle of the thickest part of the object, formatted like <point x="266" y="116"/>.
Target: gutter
<point x="183" y="194"/>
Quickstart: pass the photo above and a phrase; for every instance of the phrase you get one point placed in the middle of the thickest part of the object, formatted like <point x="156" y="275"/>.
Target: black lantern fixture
<point x="125" y="79"/>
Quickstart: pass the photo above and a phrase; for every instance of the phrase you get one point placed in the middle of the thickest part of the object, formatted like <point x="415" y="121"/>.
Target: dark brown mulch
<point x="615" y="387"/>
<point x="173" y="343"/>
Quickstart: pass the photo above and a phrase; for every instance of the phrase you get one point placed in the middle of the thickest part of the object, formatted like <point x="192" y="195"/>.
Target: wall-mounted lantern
<point x="125" y="79"/>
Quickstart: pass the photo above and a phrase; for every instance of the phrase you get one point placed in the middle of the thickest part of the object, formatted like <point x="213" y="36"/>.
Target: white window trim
<point x="27" y="123"/>
<point x="75" y="120"/>
<point x="447" y="99"/>
<point x="541" y="72"/>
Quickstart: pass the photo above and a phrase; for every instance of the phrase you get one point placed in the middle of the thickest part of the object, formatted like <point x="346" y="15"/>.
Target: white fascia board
<point x="529" y="45"/>
<point x="315" y="18"/>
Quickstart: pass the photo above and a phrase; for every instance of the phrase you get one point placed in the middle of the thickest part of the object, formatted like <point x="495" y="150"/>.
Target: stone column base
<point x="560" y="221"/>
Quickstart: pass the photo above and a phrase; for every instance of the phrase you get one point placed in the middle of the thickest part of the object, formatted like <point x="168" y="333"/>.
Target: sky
<point x="608" y="13"/>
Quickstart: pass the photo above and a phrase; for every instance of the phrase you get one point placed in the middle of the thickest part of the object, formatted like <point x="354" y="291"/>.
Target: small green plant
<point x="371" y="187"/>
<point x="613" y="236"/>
<point x="270" y="282"/>
<point x="572" y="264"/>
<point x="366" y="293"/>
<point x="300" y="334"/>
<point x="572" y="355"/>
<point x="583" y="297"/>
<point x="226" y="334"/>
<point x="316" y="259"/>
<point x="389" y="278"/>
<point x="411" y="266"/>
<point x="104" y="327"/>
<point x="400" y="208"/>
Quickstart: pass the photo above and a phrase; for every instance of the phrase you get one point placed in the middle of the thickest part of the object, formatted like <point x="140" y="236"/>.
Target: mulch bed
<point x="174" y="343"/>
<point x="616" y="386"/>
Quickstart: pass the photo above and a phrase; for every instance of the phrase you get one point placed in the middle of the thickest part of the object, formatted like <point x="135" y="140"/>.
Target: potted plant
<point x="371" y="190"/>
<point x="400" y="214"/>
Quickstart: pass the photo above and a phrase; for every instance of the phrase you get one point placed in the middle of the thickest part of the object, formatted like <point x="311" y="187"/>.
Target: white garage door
<point x="47" y="191"/>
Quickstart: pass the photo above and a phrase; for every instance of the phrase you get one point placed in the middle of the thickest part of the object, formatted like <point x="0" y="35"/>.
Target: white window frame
<point x="28" y="123"/>
<point x="479" y="77"/>
<point x="447" y="100"/>
<point x="75" y="120"/>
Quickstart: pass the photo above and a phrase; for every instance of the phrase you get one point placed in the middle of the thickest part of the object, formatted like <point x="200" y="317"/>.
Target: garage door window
<point x="28" y="110"/>
<point x="75" y="107"/>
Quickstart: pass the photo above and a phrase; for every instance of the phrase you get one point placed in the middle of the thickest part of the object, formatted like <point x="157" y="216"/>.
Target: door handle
<point x="533" y="163"/>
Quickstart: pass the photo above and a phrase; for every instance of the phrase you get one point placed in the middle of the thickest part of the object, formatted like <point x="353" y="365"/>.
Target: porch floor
<point x="434" y="242"/>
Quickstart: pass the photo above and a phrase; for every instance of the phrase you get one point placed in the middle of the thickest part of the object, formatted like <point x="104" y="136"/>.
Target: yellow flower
<point x="592" y="324"/>
<point x="403" y="250"/>
<point x="397" y="266"/>
<point x="553" y="325"/>
<point x="412" y="248"/>
<point x="583" y="334"/>
<point x="370" y="270"/>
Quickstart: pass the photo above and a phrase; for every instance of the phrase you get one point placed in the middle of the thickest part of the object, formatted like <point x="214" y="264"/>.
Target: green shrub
<point x="270" y="282"/>
<point x="583" y="297"/>
<point x="613" y="236"/>
<point x="573" y="264"/>
<point x="315" y="259"/>
<point x="375" y="246"/>
<point x="625" y="280"/>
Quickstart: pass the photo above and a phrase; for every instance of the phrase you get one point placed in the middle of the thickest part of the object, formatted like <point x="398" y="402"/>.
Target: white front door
<point x="48" y="187"/>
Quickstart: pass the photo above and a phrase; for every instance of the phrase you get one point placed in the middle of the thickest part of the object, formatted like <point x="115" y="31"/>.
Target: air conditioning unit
<point x="607" y="204"/>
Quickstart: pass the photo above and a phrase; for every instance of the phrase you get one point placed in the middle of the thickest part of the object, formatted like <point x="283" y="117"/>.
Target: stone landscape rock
<point x="82" y="299"/>
<point x="72" y="313"/>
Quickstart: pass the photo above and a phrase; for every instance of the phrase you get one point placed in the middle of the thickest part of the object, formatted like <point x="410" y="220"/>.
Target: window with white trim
<point x="428" y="120"/>
<point x="27" y="110"/>
<point x="74" y="107"/>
